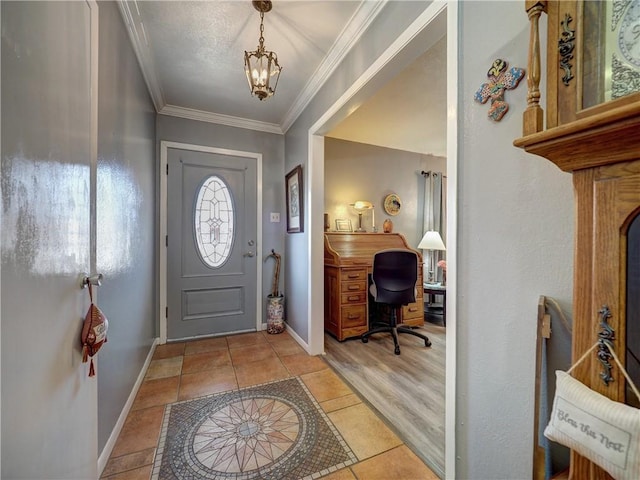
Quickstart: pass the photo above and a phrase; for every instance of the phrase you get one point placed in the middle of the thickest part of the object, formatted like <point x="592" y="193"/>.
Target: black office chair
<point x="395" y="273"/>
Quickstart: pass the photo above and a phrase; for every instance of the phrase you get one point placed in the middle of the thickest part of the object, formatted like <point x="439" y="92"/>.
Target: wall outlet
<point x="275" y="217"/>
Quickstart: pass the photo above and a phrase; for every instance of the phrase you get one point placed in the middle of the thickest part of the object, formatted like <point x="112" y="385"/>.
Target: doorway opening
<point x="415" y="40"/>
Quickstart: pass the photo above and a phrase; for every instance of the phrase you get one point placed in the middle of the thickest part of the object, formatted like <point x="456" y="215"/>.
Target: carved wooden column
<point x="533" y="115"/>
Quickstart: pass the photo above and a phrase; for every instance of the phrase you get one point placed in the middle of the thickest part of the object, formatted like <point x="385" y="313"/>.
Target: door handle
<point x="95" y="280"/>
<point x="249" y="254"/>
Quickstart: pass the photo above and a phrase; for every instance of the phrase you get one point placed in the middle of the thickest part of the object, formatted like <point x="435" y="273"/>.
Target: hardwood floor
<point x="406" y="389"/>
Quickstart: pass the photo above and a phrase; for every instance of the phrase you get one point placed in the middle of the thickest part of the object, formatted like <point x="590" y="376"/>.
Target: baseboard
<point x="297" y="338"/>
<point x="108" y="448"/>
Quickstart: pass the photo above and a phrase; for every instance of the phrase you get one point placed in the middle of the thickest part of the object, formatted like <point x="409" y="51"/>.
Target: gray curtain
<point x="434" y="215"/>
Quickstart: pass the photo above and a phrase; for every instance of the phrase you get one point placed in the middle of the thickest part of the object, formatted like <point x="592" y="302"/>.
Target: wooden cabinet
<point x="348" y="258"/>
<point x="597" y="141"/>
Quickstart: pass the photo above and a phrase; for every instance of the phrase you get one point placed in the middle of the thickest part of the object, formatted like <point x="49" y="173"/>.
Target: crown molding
<point x="140" y="44"/>
<point x="202" y="116"/>
<point x="357" y="25"/>
<point x="355" y="28"/>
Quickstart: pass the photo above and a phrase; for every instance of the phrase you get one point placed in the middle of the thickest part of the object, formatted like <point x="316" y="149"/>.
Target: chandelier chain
<point x="261" y="39"/>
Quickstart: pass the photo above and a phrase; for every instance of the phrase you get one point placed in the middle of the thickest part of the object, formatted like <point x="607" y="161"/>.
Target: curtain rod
<point x="426" y="174"/>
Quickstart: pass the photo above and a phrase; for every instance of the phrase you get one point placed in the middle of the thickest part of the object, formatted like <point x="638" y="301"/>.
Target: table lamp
<point x="431" y="241"/>
<point x="360" y="207"/>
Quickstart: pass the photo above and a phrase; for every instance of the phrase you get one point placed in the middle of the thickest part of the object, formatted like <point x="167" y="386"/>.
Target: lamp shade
<point x="361" y="205"/>
<point x="431" y="241"/>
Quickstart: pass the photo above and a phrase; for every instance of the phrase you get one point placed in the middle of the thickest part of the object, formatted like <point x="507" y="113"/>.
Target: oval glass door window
<point x="214" y="221"/>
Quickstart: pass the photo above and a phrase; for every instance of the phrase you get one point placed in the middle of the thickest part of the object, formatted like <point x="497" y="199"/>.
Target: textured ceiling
<point x="192" y="54"/>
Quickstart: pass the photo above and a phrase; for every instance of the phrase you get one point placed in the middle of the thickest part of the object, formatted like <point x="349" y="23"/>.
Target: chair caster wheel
<point x="427" y="343"/>
<point x="397" y="351"/>
<point x="365" y="339"/>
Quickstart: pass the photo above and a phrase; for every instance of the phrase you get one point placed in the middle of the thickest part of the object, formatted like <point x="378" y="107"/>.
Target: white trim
<point x="141" y="48"/>
<point x="94" y="46"/>
<point x="315" y="192"/>
<point x="117" y="428"/>
<point x="300" y="341"/>
<point x="215" y="335"/>
<point x="1" y="278"/>
<point x="93" y="127"/>
<point x="164" y="146"/>
<point x="355" y="28"/>
<point x="316" y="241"/>
<point x="452" y="239"/>
<point x="218" y="118"/>
<point x="364" y="15"/>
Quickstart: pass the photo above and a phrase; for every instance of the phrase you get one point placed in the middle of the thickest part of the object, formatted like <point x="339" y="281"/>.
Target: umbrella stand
<point x="275" y="300"/>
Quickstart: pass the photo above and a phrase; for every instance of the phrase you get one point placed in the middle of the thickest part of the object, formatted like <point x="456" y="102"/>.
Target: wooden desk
<point x="348" y="260"/>
<point x="438" y="290"/>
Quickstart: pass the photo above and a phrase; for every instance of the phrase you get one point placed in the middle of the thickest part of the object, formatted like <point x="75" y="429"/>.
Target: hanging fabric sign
<point x="598" y="428"/>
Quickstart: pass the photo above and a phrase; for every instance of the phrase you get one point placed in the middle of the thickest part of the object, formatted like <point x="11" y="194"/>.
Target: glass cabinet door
<point x="610" y="34"/>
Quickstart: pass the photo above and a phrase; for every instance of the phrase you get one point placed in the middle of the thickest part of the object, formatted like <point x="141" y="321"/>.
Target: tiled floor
<point x="187" y="370"/>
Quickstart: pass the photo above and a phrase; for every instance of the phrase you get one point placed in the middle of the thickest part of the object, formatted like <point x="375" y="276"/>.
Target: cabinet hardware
<point x="606" y="336"/>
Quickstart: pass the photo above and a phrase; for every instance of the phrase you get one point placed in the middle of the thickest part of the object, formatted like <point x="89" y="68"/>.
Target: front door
<point x="211" y="243"/>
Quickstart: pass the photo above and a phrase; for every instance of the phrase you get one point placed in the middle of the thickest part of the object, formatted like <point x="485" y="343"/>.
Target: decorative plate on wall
<point x="392" y="204"/>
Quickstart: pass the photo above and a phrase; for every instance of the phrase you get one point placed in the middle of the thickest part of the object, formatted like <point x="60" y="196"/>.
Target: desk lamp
<point x="431" y="241"/>
<point x="360" y="207"/>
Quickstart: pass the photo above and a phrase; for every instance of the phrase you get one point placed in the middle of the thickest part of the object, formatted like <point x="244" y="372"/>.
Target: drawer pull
<point x="413" y="309"/>
<point x="353" y="275"/>
<point x="354" y="298"/>
<point x="352" y="316"/>
<point x="354" y="287"/>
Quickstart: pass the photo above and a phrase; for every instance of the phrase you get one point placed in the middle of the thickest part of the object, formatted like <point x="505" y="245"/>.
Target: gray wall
<point x="126" y="218"/>
<point x="352" y="172"/>
<point x="271" y="146"/>
<point x="515" y="231"/>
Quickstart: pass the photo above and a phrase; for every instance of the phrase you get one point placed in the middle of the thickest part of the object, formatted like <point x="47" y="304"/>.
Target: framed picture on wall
<point x="295" y="198"/>
<point x="343" y="225"/>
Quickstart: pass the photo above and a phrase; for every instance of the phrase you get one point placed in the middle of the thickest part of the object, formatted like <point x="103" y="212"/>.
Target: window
<point x="214" y="221"/>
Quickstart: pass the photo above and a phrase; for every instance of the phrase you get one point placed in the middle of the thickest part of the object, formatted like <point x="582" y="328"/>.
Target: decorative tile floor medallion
<point x="273" y="431"/>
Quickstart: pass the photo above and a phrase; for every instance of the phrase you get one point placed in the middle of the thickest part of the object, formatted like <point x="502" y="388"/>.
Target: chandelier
<point x="261" y="66"/>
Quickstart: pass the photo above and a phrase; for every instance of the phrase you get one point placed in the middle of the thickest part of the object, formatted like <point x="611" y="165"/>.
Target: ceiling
<point x="192" y="58"/>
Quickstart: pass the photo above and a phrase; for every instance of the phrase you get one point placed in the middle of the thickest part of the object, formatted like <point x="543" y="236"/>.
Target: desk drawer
<point x="352" y="275"/>
<point x="354" y="297"/>
<point x="349" y="287"/>
<point x="354" y="316"/>
<point x="413" y="314"/>
<point x="353" y="332"/>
